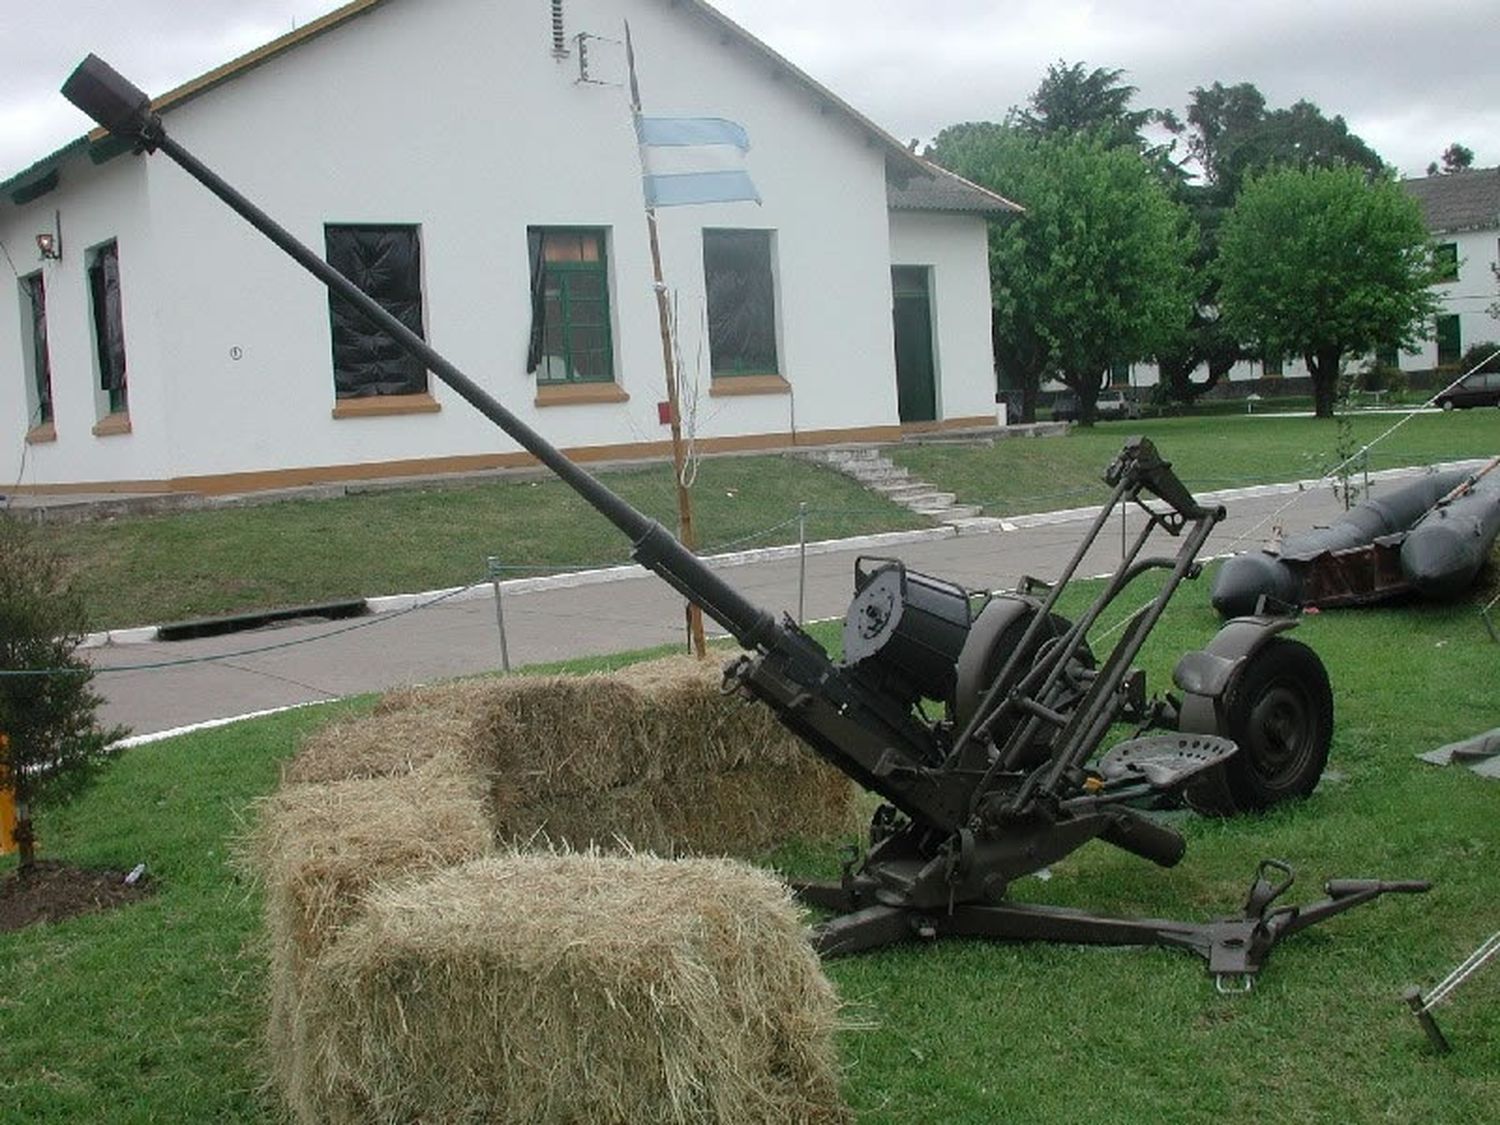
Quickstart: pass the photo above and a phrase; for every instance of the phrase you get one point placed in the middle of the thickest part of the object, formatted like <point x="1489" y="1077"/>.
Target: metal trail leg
<point x="1413" y="998"/>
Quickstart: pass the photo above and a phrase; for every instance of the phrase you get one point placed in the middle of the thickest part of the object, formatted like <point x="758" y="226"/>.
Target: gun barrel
<point x="100" y="91"/>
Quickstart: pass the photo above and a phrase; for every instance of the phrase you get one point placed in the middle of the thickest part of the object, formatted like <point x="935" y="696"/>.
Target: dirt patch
<point x="54" y="891"/>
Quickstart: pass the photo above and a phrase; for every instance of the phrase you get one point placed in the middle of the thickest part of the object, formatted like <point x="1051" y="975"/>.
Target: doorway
<point x="916" y="377"/>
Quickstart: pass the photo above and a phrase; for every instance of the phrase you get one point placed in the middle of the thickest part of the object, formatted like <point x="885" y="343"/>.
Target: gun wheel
<point x="1279" y="710"/>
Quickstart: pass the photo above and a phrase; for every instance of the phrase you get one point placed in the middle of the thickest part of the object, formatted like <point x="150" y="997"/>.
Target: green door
<point x="916" y="385"/>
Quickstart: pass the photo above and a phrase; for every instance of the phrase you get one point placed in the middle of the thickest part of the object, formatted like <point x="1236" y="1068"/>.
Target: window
<point x="35" y="361"/>
<point x="1271" y="366"/>
<point x="1450" y="344"/>
<point x="1388" y="357"/>
<point x="386" y="263"/>
<point x="741" y="302"/>
<point x="1119" y="374"/>
<point x="570" y="334"/>
<point x="1445" y="261"/>
<point x="109" y="327"/>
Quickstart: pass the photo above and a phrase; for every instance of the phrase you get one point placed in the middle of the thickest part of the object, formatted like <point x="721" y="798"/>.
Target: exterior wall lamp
<point x="49" y="243"/>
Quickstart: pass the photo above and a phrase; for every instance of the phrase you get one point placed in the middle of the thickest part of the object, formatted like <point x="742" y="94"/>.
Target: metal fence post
<point x="493" y="564"/>
<point x="801" y="561"/>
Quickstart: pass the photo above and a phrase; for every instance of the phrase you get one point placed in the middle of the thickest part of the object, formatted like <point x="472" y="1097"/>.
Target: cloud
<point x="1408" y="77"/>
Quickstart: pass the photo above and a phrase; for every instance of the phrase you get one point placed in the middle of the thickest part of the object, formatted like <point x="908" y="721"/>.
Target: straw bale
<point x="384" y="744"/>
<point x="319" y="848"/>
<point x="554" y="735"/>
<point x="573" y="988"/>
<point x="744" y="813"/>
<point x="684" y="708"/>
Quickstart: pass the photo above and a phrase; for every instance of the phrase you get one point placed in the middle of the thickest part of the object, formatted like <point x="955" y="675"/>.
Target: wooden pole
<point x="685" y="532"/>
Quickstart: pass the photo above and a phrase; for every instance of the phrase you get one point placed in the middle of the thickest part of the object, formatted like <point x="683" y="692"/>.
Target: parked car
<point x="1109" y="406"/>
<point x="1116" y="404"/>
<point x="1479" y="389"/>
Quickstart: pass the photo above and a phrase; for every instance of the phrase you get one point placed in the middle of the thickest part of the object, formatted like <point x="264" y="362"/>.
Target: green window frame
<point x="571" y="337"/>
<point x="1450" y="343"/>
<point x="740" y="288"/>
<point x="1445" y="261"/>
<point x="1119" y="373"/>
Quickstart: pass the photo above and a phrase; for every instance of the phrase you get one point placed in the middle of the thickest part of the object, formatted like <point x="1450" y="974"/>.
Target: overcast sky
<point x="1409" y="76"/>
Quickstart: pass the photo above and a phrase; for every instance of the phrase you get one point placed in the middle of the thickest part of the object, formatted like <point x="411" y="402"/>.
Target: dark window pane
<point x="1445" y="261"/>
<point x="1449" y="340"/>
<point x="109" y="324"/>
<point x="41" y="364"/>
<point x="741" y="301"/>
<point x="386" y="263"/>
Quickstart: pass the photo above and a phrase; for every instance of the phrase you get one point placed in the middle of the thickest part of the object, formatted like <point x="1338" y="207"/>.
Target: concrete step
<point x="873" y="474"/>
<point x="930" y="502"/>
<point x="903" y="491"/>
<point x="844" y="456"/>
<point x="967" y="518"/>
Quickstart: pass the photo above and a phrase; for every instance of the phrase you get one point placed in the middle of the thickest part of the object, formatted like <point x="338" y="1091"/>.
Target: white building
<point x="1462" y="212"/>
<point x="474" y="163"/>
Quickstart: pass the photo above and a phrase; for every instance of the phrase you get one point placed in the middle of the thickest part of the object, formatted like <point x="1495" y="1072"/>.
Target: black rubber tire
<point x="1279" y="709"/>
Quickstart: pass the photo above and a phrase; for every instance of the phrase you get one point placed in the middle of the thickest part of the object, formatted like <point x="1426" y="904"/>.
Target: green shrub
<point x="51" y="745"/>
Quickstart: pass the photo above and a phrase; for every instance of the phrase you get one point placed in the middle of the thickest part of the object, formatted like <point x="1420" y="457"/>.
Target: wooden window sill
<point x="38" y="435"/>
<point x="378" y="406"/>
<point x="577" y="394"/>
<point x="748" y="385"/>
<point x="112" y="424"/>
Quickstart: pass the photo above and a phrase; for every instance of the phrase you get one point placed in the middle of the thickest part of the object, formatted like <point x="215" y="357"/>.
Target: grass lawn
<point x="1017" y="476"/>
<point x="150" y="1013"/>
<point x="155" y="569"/>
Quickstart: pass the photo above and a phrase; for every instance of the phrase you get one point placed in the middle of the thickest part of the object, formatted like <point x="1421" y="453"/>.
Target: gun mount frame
<point x="1001" y="787"/>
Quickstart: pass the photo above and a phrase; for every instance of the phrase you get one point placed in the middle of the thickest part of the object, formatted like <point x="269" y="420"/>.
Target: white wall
<point x="1470" y="296"/>
<point x="458" y="118"/>
<point x="956" y="248"/>
<point x="108" y="204"/>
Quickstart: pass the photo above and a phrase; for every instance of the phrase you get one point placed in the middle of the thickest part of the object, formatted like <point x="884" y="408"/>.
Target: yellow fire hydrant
<point x="7" y="803"/>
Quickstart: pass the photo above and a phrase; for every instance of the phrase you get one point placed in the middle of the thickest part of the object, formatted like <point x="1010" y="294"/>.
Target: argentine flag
<point x="694" y="160"/>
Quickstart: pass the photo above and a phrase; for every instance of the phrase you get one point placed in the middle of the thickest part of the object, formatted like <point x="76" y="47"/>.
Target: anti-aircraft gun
<point x="1007" y="780"/>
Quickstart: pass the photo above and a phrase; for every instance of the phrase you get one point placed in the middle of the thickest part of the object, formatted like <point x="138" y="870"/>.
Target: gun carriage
<point x="1008" y="778"/>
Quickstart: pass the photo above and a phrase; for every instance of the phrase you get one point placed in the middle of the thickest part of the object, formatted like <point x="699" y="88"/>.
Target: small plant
<point x="52" y="744"/>
<point x="1350" y="457"/>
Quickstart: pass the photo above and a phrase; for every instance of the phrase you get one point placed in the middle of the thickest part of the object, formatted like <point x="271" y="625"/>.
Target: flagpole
<point x="684" y="498"/>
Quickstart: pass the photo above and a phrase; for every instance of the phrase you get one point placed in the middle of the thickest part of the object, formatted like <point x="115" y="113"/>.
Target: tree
<point x="1072" y="100"/>
<point x="1325" y="263"/>
<point x="1231" y="134"/>
<point x="1234" y="136"/>
<point x="53" y="746"/>
<point x="1095" y="271"/>
<point x="1456" y="158"/>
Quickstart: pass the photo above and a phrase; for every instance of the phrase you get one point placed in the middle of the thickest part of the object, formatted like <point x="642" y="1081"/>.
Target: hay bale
<point x="655" y="755"/>
<point x="573" y="988"/>
<point x="319" y="849"/>
<point x="388" y="743"/>
<point x="560" y="736"/>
